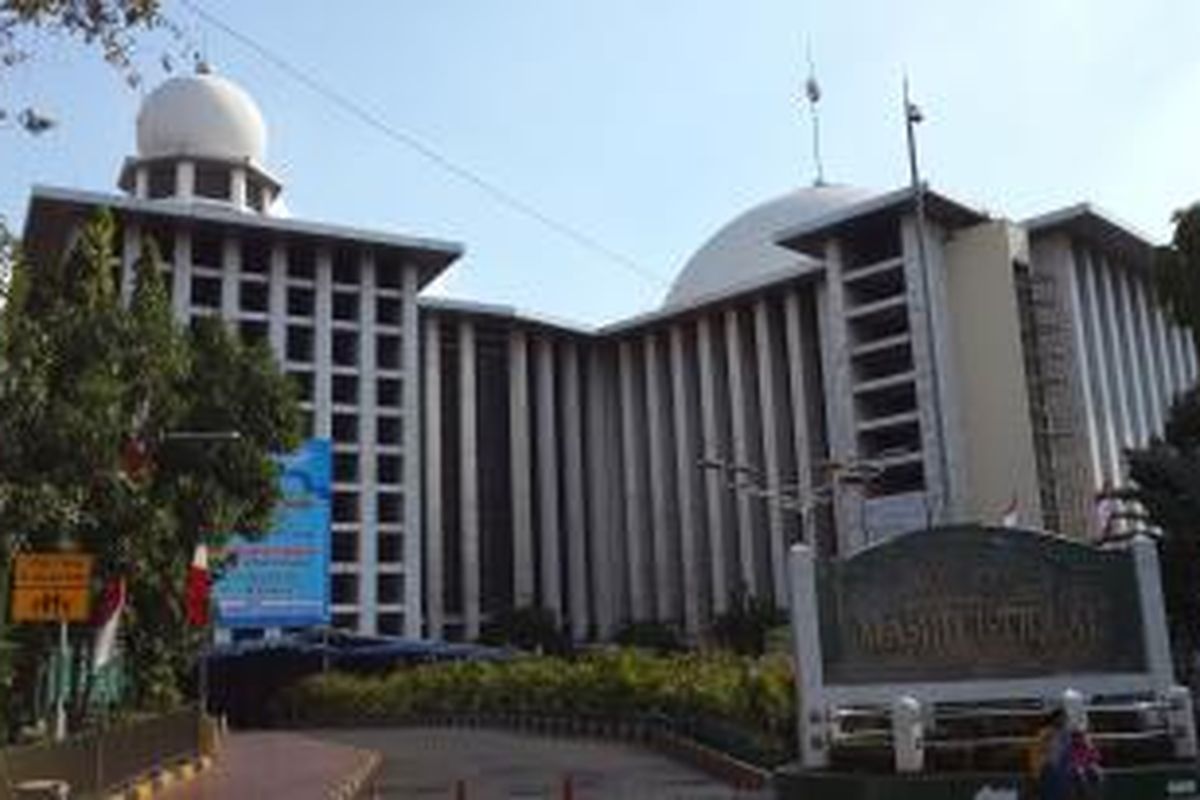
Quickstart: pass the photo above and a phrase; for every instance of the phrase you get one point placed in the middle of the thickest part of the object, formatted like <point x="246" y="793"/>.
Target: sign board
<point x="51" y="587"/>
<point x="969" y="603"/>
<point x="282" y="580"/>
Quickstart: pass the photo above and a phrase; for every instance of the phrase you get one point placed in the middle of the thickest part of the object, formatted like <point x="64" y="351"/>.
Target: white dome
<point x="744" y="250"/>
<point x="201" y="115"/>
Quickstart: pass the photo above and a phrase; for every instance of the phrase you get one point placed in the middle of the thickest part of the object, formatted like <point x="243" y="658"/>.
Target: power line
<point x="410" y="141"/>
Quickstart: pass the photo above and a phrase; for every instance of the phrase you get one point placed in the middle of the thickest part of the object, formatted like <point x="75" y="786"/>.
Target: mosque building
<point x="828" y="367"/>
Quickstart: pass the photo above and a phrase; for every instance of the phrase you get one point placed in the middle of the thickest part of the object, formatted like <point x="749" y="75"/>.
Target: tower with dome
<point x="654" y="468"/>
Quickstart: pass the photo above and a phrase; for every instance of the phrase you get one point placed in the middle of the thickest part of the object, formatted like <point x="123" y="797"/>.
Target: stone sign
<point x="974" y="603"/>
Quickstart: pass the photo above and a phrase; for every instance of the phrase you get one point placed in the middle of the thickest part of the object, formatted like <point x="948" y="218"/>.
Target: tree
<point x="1166" y="481"/>
<point x="85" y="381"/>
<point x="1177" y="270"/>
<point x="110" y="25"/>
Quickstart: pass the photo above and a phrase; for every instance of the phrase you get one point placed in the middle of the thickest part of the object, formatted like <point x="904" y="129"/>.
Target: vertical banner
<point x="282" y="580"/>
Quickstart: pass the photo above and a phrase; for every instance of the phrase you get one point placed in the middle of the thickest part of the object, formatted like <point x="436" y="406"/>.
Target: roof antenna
<point x="203" y="66"/>
<point x="812" y="90"/>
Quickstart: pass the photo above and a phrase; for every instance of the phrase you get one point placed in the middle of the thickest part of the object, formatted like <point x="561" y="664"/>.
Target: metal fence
<point x="104" y="759"/>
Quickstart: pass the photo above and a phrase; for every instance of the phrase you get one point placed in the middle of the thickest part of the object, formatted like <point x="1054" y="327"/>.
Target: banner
<point x="282" y="580"/>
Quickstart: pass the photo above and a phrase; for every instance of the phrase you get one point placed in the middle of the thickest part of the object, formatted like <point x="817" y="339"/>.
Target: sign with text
<point x="974" y="603"/>
<point x="282" y="580"/>
<point x="51" y="587"/>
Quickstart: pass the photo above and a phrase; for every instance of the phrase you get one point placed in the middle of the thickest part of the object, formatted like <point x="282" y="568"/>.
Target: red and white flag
<point x="1012" y="516"/>
<point x="199" y="586"/>
<point x="107" y="620"/>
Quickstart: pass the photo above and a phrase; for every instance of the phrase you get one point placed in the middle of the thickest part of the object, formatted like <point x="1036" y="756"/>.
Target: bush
<point x="528" y="628"/>
<point x="657" y="636"/>
<point x="745" y="706"/>
<point x="744" y="628"/>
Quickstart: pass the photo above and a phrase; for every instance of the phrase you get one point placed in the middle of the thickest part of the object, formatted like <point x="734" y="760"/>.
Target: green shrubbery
<point x="718" y="694"/>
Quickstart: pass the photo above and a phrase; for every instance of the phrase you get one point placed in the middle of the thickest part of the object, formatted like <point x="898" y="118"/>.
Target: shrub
<point x="657" y="636"/>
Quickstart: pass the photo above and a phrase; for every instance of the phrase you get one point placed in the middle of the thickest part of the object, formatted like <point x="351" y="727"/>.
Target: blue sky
<point x="648" y="124"/>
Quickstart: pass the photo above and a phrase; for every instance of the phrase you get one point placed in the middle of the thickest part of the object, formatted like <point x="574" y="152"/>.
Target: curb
<point x="157" y="780"/>
<point x="360" y="780"/>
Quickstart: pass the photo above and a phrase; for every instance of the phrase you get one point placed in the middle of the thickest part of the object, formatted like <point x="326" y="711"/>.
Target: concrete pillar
<point x="521" y="464"/>
<point x="1080" y="325"/>
<point x="1162" y="356"/>
<point x="741" y="449"/>
<point x="237" y="188"/>
<point x="771" y="442"/>
<point x="1177" y="354"/>
<point x="1109" y="441"/>
<point x="277" y="300"/>
<point x="368" y="548"/>
<point x="323" y="346"/>
<point x="185" y="179"/>
<point x="410" y="363"/>
<point x="141" y="182"/>
<point x="231" y="268"/>
<point x="1151" y="380"/>
<point x="663" y="530"/>
<point x="1130" y="359"/>
<point x="801" y="441"/>
<point x="1113" y="352"/>
<point x="812" y="714"/>
<point x="468" y="474"/>
<point x="840" y="417"/>
<point x="434" y="520"/>
<point x="548" y="502"/>
<point x="601" y="467"/>
<point x="131" y="251"/>
<point x="181" y="276"/>
<point x="634" y="497"/>
<point x="714" y="486"/>
<point x="686" y="474"/>
<point x="576" y="513"/>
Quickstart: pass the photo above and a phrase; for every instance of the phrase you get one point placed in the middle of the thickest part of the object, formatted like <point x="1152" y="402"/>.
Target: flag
<point x="1011" y="518"/>
<point x="199" y="586"/>
<point x="107" y="620"/>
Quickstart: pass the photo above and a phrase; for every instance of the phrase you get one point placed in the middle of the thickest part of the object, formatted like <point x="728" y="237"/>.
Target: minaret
<point x="812" y="91"/>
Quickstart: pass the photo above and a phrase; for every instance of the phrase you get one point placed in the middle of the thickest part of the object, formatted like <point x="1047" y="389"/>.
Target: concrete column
<point x="1162" y="358"/>
<point x="368" y="549"/>
<point x="771" y="441"/>
<point x="1109" y="441"/>
<point x="141" y="182"/>
<point x="548" y="503"/>
<point x="634" y="499"/>
<point x="1127" y="339"/>
<point x="231" y="268"/>
<point x="1151" y="381"/>
<point x="277" y="301"/>
<point x="181" y="276"/>
<point x="237" y="188"/>
<point x="813" y="716"/>
<point x="185" y="179"/>
<point x="434" y="520"/>
<point x="131" y="251"/>
<point x="468" y="473"/>
<point x="1112" y="350"/>
<point x="1189" y="355"/>
<point x="1078" y="321"/>
<point x="1177" y="355"/>
<point x="686" y="474"/>
<point x="741" y="449"/>
<point x="801" y="442"/>
<point x="576" y="513"/>
<point x="522" y="468"/>
<point x="601" y="469"/>
<point x="411" y="376"/>
<point x="323" y="346"/>
<point x="714" y="487"/>
<point x="656" y="434"/>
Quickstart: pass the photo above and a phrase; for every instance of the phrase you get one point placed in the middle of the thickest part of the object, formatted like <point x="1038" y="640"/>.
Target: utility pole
<point x="913" y="117"/>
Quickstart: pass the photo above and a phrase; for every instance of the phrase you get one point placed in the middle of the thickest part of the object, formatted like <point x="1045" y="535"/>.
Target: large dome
<point x="744" y="251"/>
<point x="201" y="115"/>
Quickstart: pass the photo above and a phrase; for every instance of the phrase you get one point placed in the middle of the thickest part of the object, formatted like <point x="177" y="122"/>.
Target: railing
<point x="105" y="759"/>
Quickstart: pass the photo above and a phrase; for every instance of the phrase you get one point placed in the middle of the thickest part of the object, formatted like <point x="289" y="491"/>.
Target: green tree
<point x="91" y="392"/>
<point x="1177" y="270"/>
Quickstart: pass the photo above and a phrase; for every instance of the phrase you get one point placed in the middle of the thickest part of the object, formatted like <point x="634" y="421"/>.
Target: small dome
<point x="201" y="115"/>
<point x="744" y="250"/>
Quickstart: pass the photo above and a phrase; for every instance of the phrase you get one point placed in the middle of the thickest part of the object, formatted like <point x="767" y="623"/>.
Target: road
<point x="428" y="763"/>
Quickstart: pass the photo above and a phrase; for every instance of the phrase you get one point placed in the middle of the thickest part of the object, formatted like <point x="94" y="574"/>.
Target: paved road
<point x="257" y="766"/>
<point x="427" y="763"/>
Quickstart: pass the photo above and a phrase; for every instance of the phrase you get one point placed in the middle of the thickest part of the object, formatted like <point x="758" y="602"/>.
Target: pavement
<point x="474" y="764"/>
<point x="259" y="765"/>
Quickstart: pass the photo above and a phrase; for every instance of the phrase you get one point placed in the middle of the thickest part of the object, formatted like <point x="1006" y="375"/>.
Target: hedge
<point x="733" y="702"/>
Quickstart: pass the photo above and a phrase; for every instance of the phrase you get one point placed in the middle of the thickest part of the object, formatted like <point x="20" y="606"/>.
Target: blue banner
<point x="282" y="580"/>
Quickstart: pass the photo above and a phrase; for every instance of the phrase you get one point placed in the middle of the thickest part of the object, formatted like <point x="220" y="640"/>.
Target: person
<point x="1049" y="758"/>
<point x="1084" y="766"/>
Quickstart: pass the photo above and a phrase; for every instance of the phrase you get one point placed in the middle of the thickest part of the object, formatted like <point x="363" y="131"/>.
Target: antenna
<point x="812" y="91"/>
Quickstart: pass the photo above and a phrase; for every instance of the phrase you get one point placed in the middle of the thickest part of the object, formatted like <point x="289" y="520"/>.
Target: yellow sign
<point x="51" y="587"/>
